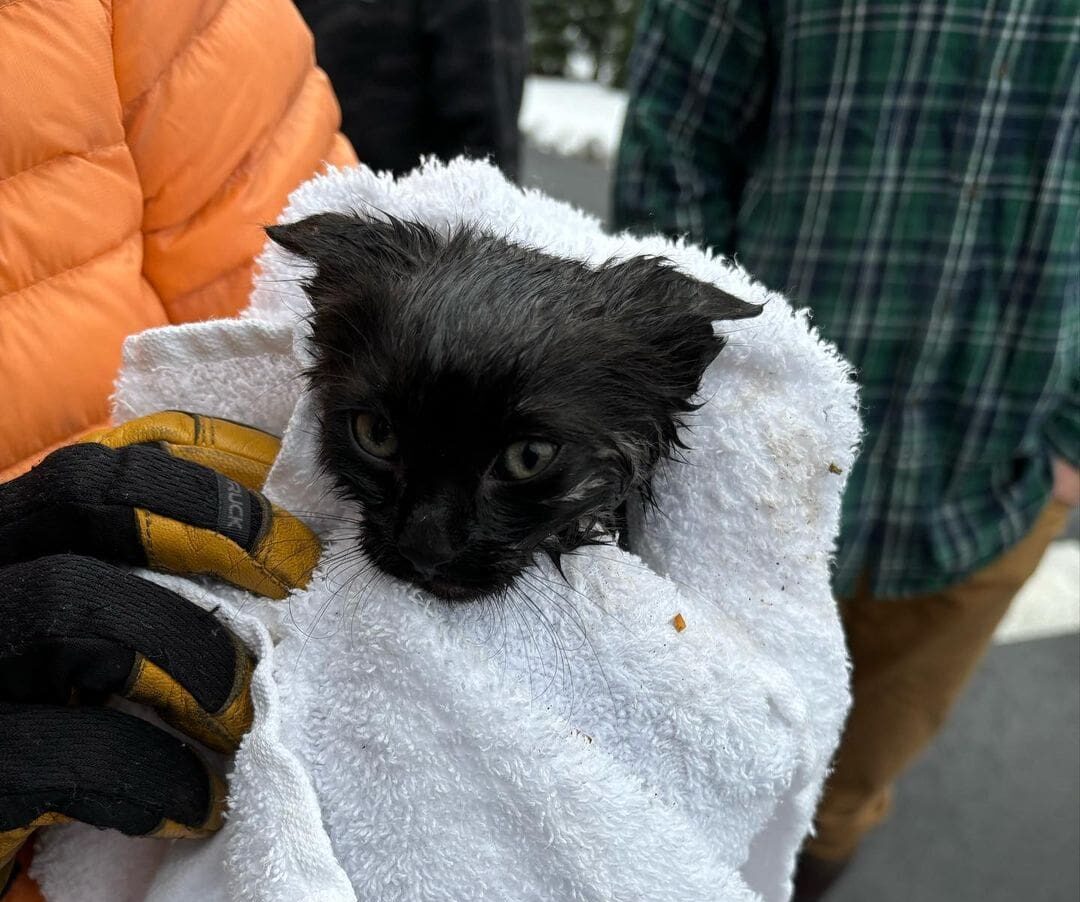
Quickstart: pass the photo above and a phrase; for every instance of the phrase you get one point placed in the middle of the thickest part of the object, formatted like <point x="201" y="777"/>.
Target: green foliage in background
<point x="582" y="38"/>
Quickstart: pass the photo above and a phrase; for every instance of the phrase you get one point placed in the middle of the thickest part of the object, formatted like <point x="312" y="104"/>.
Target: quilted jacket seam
<point x="63" y="154"/>
<point x="68" y="269"/>
<point x="193" y="41"/>
<point x="259" y="149"/>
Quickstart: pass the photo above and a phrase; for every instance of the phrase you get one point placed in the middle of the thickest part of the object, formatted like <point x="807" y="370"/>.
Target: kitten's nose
<point x="424" y="545"/>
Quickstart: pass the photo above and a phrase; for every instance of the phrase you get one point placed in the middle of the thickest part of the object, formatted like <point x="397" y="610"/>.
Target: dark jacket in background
<point x="418" y="77"/>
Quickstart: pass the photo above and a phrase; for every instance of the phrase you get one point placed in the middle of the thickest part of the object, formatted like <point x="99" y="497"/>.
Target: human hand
<point x="1066" y="482"/>
<point x="76" y="626"/>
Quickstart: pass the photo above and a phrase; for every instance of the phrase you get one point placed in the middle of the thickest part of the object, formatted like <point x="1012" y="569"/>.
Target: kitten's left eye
<point x="374" y="435"/>
<point x="527" y="458"/>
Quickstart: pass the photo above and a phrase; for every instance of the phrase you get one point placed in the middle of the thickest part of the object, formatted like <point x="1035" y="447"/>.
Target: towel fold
<point x="570" y="743"/>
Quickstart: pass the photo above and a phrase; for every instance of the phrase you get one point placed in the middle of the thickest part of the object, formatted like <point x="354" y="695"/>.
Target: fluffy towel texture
<point x="576" y="747"/>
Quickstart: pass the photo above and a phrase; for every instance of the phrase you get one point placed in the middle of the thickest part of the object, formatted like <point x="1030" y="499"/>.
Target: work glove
<point x="174" y="492"/>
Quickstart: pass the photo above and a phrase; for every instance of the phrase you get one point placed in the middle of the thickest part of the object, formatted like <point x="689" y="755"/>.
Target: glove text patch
<point x="234" y="510"/>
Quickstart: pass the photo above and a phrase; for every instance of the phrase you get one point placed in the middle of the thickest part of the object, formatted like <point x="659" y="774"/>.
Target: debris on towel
<point x="679" y="622"/>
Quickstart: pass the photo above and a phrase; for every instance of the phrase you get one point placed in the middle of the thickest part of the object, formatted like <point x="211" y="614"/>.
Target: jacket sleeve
<point x="699" y="92"/>
<point x="225" y="113"/>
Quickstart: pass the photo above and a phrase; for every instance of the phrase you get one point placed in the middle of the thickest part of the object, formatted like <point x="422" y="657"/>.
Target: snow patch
<point x="572" y="118"/>
<point x="1049" y="603"/>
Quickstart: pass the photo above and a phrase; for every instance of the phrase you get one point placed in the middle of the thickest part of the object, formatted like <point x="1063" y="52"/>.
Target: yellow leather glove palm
<point x="176" y="492"/>
<point x="244" y="540"/>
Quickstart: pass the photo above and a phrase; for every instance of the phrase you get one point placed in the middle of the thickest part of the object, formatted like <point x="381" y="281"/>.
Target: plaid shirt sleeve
<point x="699" y="86"/>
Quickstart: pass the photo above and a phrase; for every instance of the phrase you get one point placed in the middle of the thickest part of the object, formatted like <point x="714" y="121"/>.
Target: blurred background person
<point x="424" y="77"/>
<point x="912" y="171"/>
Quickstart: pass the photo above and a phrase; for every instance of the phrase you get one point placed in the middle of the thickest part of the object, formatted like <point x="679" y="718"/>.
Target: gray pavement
<point x="583" y="183"/>
<point x="992" y="811"/>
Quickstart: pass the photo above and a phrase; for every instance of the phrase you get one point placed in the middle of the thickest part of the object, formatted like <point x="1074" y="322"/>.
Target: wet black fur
<point x="466" y="343"/>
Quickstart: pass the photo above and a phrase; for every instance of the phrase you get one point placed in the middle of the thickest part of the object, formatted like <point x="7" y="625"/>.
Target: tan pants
<point x="911" y="659"/>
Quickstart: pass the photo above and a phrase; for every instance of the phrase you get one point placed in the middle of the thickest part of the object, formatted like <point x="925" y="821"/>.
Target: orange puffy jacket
<point x="142" y="145"/>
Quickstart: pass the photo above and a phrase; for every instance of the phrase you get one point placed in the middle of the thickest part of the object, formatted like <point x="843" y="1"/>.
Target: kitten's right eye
<point x="525" y="459"/>
<point x="374" y="435"/>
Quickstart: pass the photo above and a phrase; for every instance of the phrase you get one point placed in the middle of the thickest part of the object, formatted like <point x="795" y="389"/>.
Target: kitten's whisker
<point x="362" y="598"/>
<point x="319" y="515"/>
<point x="336" y="558"/>
<point x="362" y="568"/>
<point x="530" y="638"/>
<point x="561" y="604"/>
<point x="489" y="605"/>
<point x="607" y="612"/>
<point x="592" y="648"/>
<point x="334" y="565"/>
<point x="552" y="631"/>
<point x="299" y="549"/>
<point x="493" y="604"/>
<point x="266" y="280"/>
<point x="307" y="636"/>
<point x="556" y="644"/>
<point x="726" y="332"/>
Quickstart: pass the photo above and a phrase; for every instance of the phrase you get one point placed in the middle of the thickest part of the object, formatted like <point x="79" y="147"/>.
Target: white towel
<point x="578" y="747"/>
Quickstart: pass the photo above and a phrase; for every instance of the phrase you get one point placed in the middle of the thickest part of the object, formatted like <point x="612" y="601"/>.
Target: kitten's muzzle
<point x="423" y="562"/>
<point x="450" y="591"/>
<point x="426" y="548"/>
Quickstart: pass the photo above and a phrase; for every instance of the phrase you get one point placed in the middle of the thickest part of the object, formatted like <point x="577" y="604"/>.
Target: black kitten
<point x="483" y="402"/>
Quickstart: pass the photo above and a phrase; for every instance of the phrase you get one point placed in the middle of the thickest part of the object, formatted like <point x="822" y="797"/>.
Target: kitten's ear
<point x="719" y="304"/>
<point x="340" y="240"/>
<point x="313" y="237"/>
<point x="673" y="316"/>
<point x="656" y="282"/>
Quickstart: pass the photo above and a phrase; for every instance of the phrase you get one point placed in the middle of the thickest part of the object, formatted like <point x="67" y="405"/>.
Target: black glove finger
<point x="101" y="767"/>
<point x="82" y="498"/>
<point x="140" y="505"/>
<point x="76" y="626"/>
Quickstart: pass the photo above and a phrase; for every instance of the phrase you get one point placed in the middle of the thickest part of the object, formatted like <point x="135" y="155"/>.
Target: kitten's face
<point x="483" y="402"/>
<point x="461" y="479"/>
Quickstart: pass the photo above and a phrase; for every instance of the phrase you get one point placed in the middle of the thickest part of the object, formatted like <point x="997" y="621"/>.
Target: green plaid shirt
<point x="910" y="171"/>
